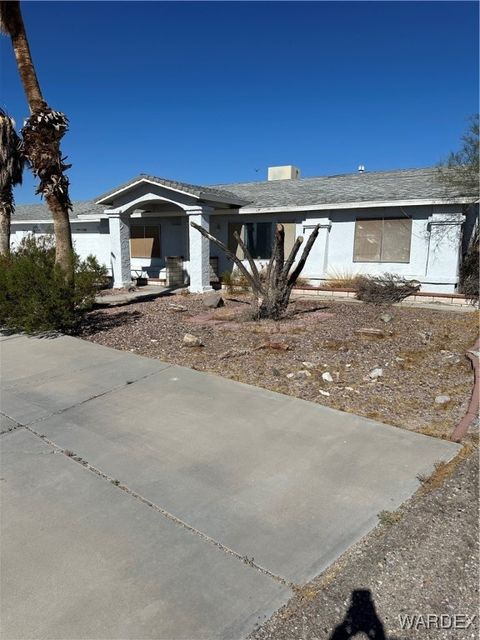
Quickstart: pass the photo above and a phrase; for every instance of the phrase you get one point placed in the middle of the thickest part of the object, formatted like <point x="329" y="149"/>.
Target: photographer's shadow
<point x="361" y="617"/>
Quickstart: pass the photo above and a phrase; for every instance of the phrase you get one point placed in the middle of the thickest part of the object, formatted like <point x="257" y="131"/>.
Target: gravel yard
<point x="400" y="365"/>
<point x="424" y="562"/>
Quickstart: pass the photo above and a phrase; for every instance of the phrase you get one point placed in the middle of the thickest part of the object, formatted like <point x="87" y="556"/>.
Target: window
<point x="382" y="240"/>
<point x="145" y="241"/>
<point x="256" y="235"/>
<point x="258" y="238"/>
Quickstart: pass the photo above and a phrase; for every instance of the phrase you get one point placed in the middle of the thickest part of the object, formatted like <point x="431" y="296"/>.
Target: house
<point x="404" y="222"/>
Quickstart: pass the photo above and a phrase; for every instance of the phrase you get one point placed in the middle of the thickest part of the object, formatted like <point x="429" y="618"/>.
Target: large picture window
<point x="258" y="238"/>
<point x="145" y="241"/>
<point x="382" y="240"/>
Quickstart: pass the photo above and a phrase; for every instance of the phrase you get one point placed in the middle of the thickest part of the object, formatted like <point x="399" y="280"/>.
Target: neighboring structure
<point x="404" y="222"/>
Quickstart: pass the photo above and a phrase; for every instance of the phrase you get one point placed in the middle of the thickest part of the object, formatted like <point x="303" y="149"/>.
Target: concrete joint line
<point x="10" y="429"/>
<point x="158" y="509"/>
<point x="100" y="395"/>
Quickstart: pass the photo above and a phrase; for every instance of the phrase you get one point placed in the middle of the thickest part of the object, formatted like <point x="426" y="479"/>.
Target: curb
<point x="462" y="427"/>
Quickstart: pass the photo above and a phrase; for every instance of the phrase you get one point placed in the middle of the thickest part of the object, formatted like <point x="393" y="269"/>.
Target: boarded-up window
<point x="290" y="236"/>
<point x="232" y="243"/>
<point x="145" y="241"/>
<point x="382" y="240"/>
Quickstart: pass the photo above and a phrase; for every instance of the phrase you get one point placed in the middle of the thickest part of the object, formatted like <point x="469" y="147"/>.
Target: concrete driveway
<point x="142" y="500"/>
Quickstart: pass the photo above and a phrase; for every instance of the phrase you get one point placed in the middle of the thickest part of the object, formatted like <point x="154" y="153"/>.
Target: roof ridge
<point x="333" y="175"/>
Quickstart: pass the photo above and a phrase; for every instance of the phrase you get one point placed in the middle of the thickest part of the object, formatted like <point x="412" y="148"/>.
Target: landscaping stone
<point x="386" y="317"/>
<point x="375" y="373"/>
<point x="442" y="399"/>
<point x="213" y="300"/>
<point x="327" y="377"/>
<point x="323" y="393"/>
<point x="177" y="307"/>
<point x="303" y="373"/>
<point x="308" y="365"/>
<point x="370" y="332"/>
<point x="192" y="341"/>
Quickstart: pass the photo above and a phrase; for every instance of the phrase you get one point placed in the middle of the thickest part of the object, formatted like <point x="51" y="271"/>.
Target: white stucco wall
<point x="434" y="253"/>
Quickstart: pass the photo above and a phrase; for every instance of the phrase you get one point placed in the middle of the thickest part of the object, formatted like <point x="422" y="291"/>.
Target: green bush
<point x="34" y="296"/>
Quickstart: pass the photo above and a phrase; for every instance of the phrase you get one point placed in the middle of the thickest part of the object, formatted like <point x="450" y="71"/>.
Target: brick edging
<point x="462" y="427"/>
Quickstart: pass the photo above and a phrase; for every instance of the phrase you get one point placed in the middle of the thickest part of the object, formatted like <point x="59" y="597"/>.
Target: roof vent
<point x="287" y="172"/>
<point x="361" y="168"/>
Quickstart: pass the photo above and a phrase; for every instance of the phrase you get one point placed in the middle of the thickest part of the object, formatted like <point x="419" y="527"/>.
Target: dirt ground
<point x="390" y="364"/>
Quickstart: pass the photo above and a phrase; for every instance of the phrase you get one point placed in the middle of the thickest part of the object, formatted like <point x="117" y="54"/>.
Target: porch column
<point x="120" y="250"/>
<point x="199" y="250"/>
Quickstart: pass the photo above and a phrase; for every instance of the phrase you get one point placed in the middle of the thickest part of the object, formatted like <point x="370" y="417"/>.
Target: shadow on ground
<point x="360" y="618"/>
<point x="102" y="321"/>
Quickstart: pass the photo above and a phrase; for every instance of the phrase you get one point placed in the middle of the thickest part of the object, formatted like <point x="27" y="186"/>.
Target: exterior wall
<point x="434" y="255"/>
<point x="173" y="242"/>
<point x="434" y="251"/>
<point x="88" y="237"/>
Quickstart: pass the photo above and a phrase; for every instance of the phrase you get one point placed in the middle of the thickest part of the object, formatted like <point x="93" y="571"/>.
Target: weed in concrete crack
<point x="115" y="482"/>
<point x="69" y="453"/>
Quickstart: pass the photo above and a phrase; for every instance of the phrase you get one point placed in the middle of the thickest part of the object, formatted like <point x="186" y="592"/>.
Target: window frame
<point x="152" y="256"/>
<point x="269" y="240"/>
<point x="381" y="260"/>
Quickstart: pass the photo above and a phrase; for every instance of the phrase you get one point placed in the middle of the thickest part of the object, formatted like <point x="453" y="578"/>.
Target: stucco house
<point x="404" y="222"/>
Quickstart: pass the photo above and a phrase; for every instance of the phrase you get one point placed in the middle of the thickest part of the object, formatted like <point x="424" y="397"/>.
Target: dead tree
<point x="273" y="286"/>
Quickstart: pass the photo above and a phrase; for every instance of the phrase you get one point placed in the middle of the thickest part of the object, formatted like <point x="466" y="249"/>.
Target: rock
<point x="213" y="300"/>
<point x="375" y="373"/>
<point x="303" y="373"/>
<point x="327" y="377"/>
<point x="279" y="345"/>
<point x="192" y="341"/>
<point x="398" y="359"/>
<point x="442" y="399"/>
<point x="232" y="353"/>
<point x="308" y="365"/>
<point x="177" y="307"/>
<point x="370" y="332"/>
<point x="323" y="393"/>
<point x="386" y="317"/>
<point x="290" y="375"/>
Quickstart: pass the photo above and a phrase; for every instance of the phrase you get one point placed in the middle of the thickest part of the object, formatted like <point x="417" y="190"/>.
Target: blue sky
<point x="210" y="92"/>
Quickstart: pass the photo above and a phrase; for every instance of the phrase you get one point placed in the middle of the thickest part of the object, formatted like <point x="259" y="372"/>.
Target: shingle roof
<point x="41" y="211"/>
<point x="407" y="184"/>
<point x="205" y="193"/>
<point x="377" y="186"/>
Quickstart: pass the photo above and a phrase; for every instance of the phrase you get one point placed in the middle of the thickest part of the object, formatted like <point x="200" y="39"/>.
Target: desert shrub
<point x="384" y="289"/>
<point x="469" y="272"/>
<point x="341" y="279"/>
<point x="34" y="296"/>
<point x="234" y="281"/>
<point x="302" y="283"/>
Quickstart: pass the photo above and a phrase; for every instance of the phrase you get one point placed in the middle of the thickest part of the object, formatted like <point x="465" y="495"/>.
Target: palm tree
<point x="42" y="133"/>
<point x="12" y="162"/>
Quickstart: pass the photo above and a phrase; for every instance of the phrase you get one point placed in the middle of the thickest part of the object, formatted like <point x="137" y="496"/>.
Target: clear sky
<point x="211" y="92"/>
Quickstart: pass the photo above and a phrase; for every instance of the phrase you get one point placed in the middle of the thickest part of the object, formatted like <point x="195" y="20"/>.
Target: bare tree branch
<point x="231" y="255"/>
<point x="291" y="258"/>
<point x="306" y="251"/>
<point x="247" y="254"/>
